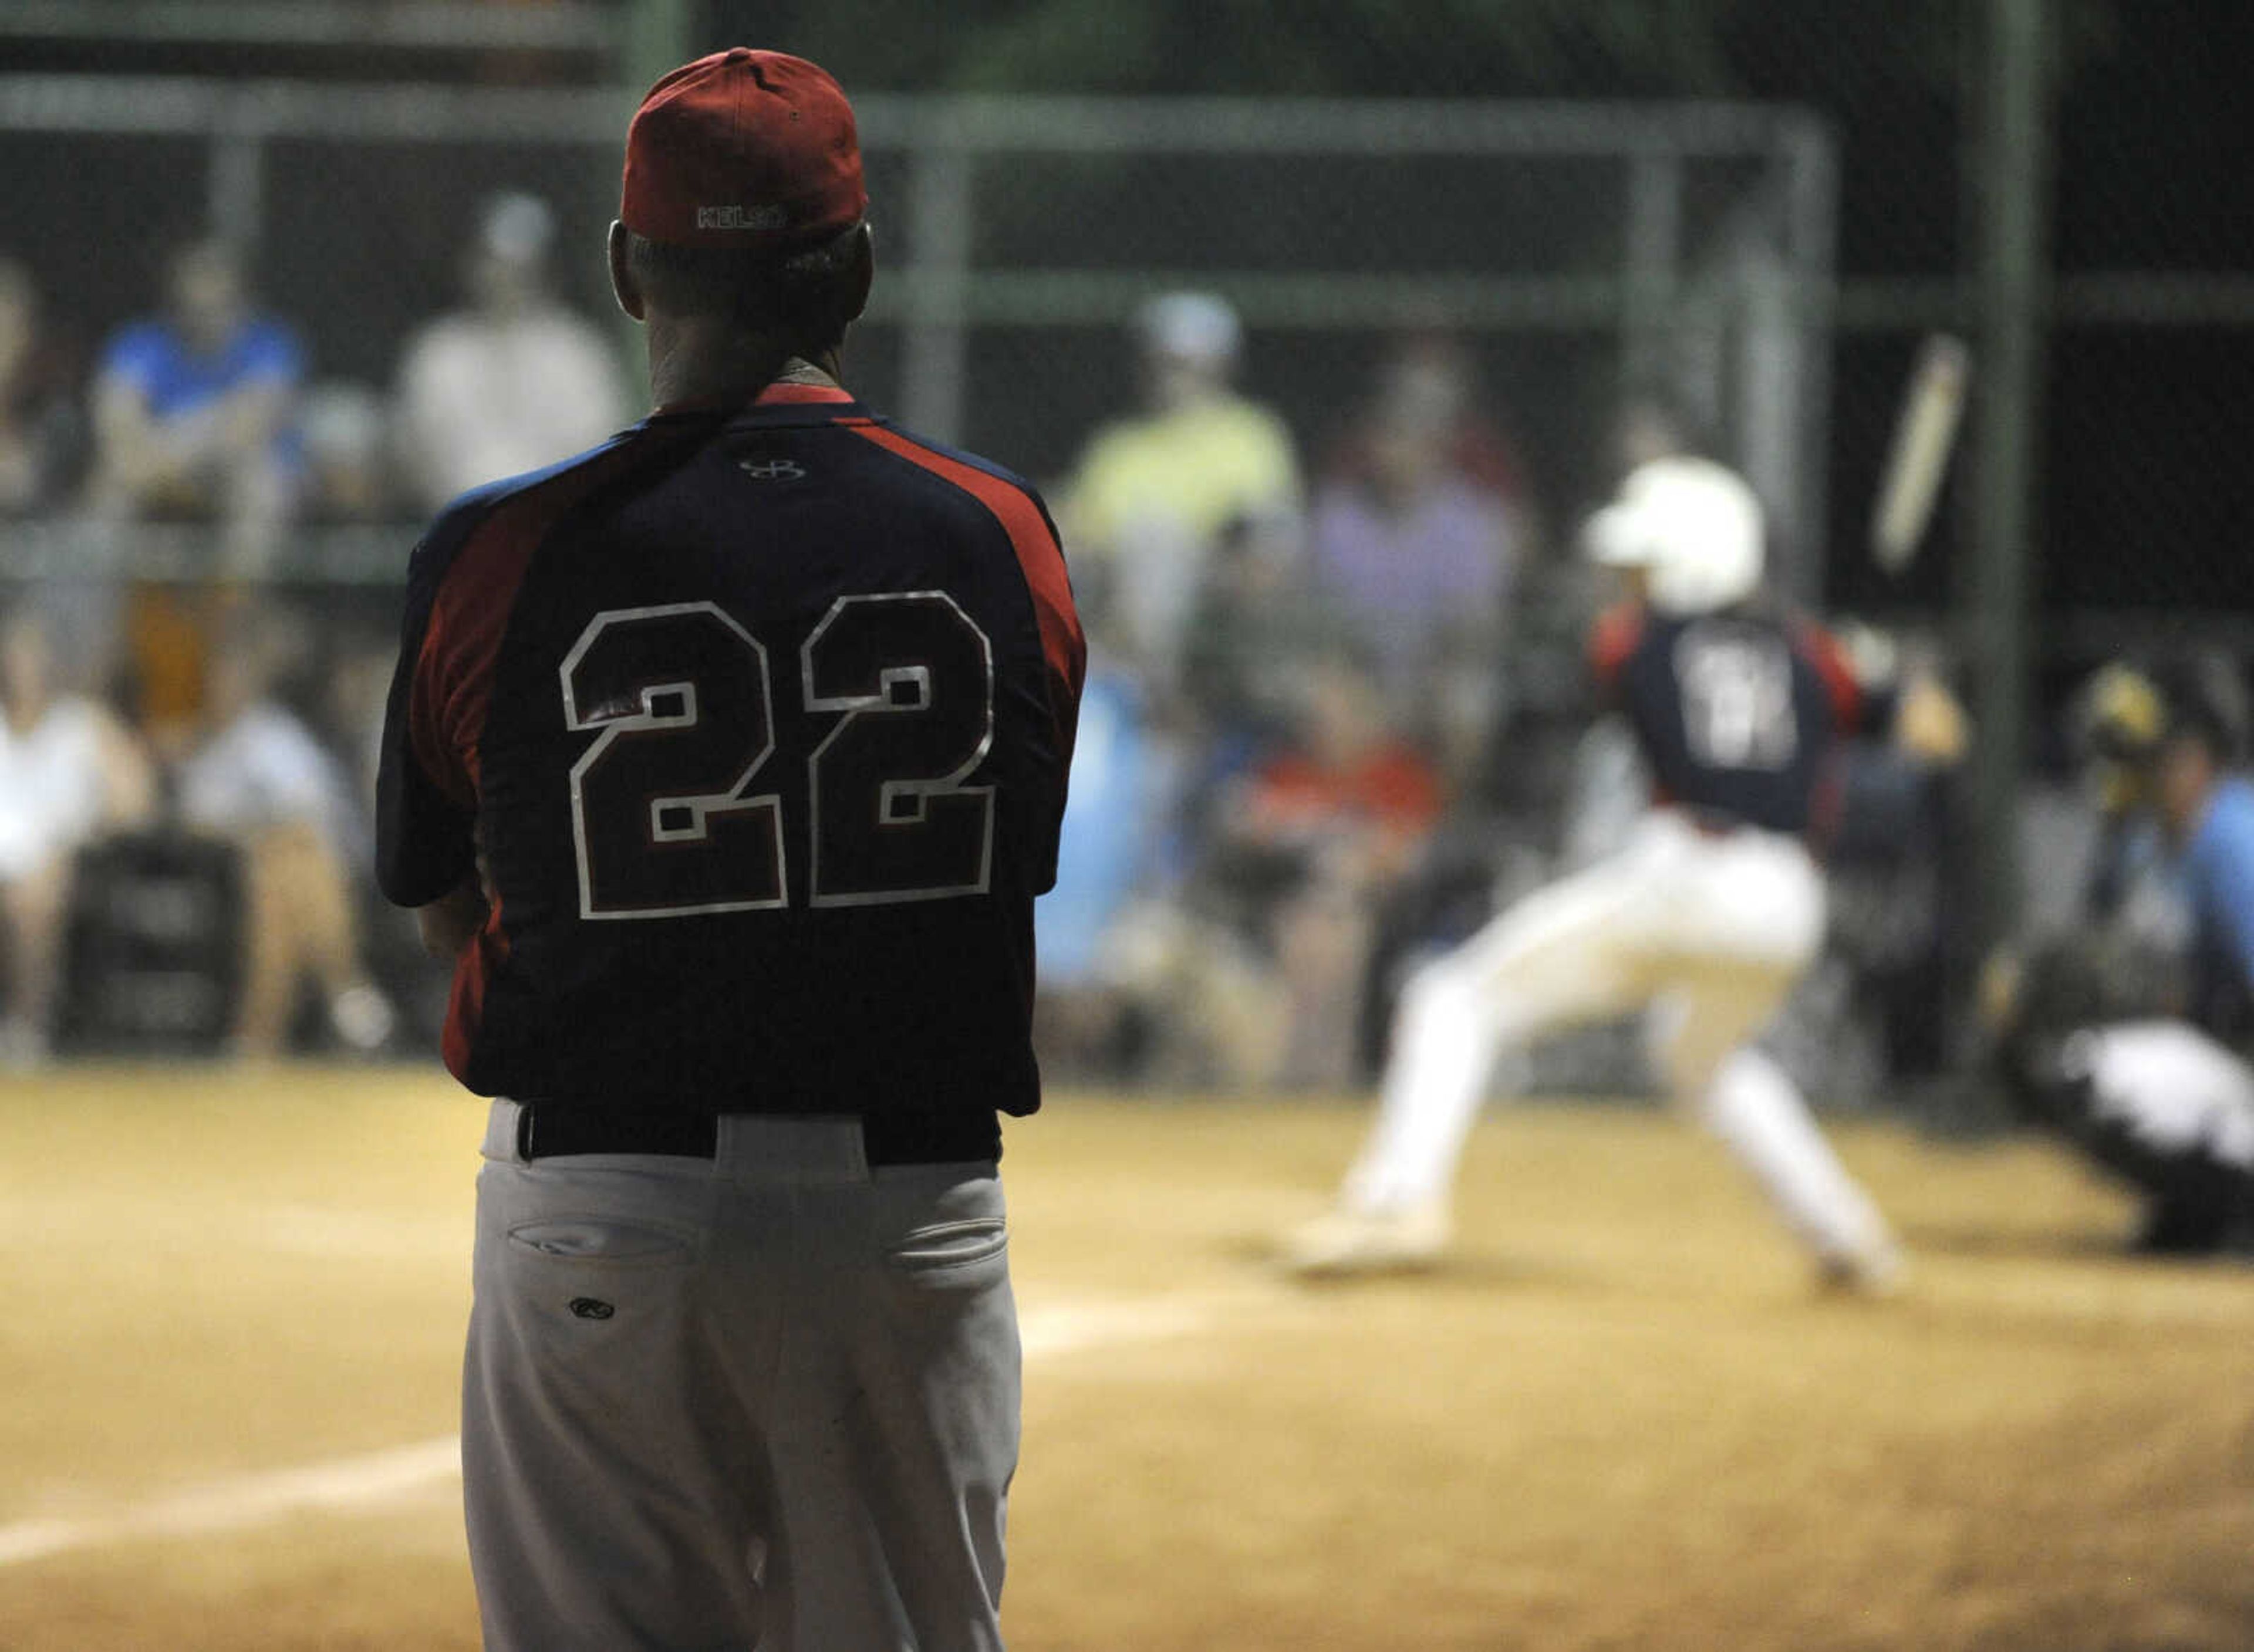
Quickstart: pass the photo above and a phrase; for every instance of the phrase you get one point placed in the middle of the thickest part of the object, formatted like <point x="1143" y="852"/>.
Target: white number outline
<point x="1737" y="699"/>
<point x="918" y="793"/>
<point x="702" y="805"/>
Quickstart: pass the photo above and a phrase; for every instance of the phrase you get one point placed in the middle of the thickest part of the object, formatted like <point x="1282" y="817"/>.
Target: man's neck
<point x="696" y="363"/>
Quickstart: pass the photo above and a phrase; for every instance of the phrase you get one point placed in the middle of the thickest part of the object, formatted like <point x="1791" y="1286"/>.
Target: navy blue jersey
<point x="1736" y="714"/>
<point x="755" y="726"/>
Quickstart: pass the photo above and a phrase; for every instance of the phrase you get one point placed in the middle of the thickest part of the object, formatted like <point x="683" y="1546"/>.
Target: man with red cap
<point x="724" y="762"/>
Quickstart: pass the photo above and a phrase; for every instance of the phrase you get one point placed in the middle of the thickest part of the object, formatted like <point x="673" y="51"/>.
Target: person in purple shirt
<point x="1415" y="552"/>
<point x="2141" y="1061"/>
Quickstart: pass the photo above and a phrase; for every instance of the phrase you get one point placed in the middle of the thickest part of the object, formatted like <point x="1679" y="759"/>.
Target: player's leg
<point x="315" y="889"/>
<point x="893" y="1427"/>
<point x="273" y="948"/>
<point x="32" y="906"/>
<point x="1749" y="921"/>
<point x="1564" y="954"/>
<point x="1701" y="1029"/>
<point x="609" y="1485"/>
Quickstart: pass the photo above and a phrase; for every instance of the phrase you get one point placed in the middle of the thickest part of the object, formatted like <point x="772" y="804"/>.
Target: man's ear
<point x="624" y="287"/>
<point x="864" y="273"/>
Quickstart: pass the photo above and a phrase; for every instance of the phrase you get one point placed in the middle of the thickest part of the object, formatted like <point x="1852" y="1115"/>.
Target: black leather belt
<point x="550" y="1129"/>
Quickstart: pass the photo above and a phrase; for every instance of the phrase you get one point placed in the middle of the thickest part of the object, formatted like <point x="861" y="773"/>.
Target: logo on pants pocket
<point x="591" y="1308"/>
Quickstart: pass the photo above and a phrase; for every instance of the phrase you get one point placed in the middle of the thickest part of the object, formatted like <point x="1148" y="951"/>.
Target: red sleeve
<point x="1612" y="639"/>
<point x="1039" y="556"/>
<point x="454" y="669"/>
<point x="462" y="583"/>
<point x="1822" y="650"/>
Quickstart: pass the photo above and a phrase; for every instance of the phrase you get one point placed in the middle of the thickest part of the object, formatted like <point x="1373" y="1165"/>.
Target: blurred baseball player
<point x="1708" y="914"/>
<point x="727" y="760"/>
<point x="2121" y="1038"/>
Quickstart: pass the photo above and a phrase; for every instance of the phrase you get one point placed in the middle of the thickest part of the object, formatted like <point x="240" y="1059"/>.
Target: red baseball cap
<point x="744" y="149"/>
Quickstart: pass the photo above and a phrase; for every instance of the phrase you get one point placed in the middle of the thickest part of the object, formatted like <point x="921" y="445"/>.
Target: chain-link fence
<point x="1575" y="246"/>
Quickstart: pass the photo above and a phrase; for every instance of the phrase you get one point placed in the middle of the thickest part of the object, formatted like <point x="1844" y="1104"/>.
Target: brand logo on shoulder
<point x="734" y="217"/>
<point x="771" y="470"/>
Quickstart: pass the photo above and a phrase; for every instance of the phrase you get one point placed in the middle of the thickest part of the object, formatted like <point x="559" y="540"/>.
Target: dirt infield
<point x="1622" y="1421"/>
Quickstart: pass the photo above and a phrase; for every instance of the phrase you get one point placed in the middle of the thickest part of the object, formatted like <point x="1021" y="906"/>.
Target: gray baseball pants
<point x="767" y="1400"/>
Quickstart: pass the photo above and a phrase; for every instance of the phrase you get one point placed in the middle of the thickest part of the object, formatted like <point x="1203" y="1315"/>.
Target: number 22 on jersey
<point x="666" y="816"/>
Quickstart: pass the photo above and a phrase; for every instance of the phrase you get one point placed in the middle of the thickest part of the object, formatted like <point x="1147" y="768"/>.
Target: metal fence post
<point x="934" y="354"/>
<point x="234" y="184"/>
<point x="1654" y="257"/>
<point x="655" y="41"/>
<point x="2014" y="185"/>
<point x="1811" y="211"/>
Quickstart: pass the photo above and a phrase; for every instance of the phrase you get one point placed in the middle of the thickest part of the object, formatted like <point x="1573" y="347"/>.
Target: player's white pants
<point x="768" y="1399"/>
<point x="1709" y="930"/>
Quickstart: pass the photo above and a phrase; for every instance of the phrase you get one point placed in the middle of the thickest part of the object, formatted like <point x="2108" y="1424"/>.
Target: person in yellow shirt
<point x="1156" y="495"/>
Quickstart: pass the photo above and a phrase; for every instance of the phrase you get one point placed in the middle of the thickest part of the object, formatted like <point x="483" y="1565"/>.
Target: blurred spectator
<point x="39" y="427"/>
<point x="1154" y="495"/>
<point x="2164" y="747"/>
<point x="515" y="381"/>
<point x="356" y="683"/>
<point x="347" y="454"/>
<point x="1183" y="522"/>
<point x="1255" y="625"/>
<point x="192" y="411"/>
<point x="193" y="422"/>
<point x="258" y="778"/>
<point x="68" y="770"/>
<point x="1113" y="820"/>
<point x="1416" y="539"/>
<point x="1318" y="837"/>
<point x="1429" y="379"/>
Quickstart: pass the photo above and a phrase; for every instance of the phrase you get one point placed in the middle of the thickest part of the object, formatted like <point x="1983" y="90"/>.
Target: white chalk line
<point x="354" y="1484"/>
<point x="324" y="1232"/>
<point x="243" y="1501"/>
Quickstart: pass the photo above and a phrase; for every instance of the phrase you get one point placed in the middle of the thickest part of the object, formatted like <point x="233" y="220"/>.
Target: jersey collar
<point x="779" y="404"/>
<point x="780" y="393"/>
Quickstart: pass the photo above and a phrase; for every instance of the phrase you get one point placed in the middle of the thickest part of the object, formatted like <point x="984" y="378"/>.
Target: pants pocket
<point x="598" y="1238"/>
<point x="941" y="1245"/>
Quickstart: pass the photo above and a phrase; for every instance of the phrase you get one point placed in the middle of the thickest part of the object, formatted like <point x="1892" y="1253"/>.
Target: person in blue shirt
<point x="191" y="412"/>
<point x="2139" y="1057"/>
<point x="192" y="423"/>
<point x="2208" y="811"/>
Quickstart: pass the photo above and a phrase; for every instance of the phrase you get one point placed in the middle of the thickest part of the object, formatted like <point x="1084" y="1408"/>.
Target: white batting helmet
<point x="1693" y="524"/>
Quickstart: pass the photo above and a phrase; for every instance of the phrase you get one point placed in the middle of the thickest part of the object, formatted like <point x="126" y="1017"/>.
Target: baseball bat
<point x="1932" y="407"/>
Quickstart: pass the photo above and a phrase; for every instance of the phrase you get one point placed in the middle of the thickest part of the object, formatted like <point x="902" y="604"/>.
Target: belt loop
<point x="524" y="1132"/>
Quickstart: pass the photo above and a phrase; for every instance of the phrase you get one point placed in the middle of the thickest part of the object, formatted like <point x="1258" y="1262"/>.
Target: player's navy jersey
<point x="756" y="725"/>
<point x="1736" y="713"/>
